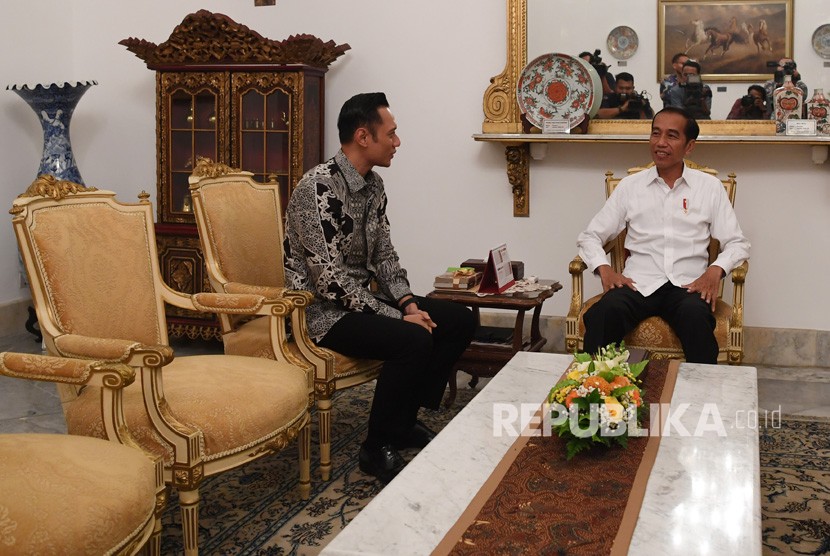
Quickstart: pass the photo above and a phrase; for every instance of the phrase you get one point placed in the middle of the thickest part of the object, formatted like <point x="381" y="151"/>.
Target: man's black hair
<point x="758" y="88"/>
<point x="625" y="76"/>
<point x="692" y="129"/>
<point x="693" y="64"/>
<point x="360" y="111"/>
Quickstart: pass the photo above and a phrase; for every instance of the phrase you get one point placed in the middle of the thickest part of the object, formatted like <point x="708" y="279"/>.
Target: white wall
<point x="449" y="196"/>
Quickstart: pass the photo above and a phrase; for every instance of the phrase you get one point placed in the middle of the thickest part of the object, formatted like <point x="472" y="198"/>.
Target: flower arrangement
<point x="599" y="401"/>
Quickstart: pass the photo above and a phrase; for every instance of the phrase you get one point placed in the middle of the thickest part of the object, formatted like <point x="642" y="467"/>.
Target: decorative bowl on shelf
<point x="558" y="86"/>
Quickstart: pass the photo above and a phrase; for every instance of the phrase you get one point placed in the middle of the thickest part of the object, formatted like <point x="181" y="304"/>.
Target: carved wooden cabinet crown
<point x="226" y="93"/>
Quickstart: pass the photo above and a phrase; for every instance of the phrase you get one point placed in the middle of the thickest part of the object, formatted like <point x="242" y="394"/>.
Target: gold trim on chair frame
<point x="188" y="464"/>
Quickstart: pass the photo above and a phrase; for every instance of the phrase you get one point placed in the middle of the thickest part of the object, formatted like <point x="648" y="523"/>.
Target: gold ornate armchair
<point x="240" y="226"/>
<point x="63" y="494"/>
<point x="653" y="334"/>
<point x="94" y="274"/>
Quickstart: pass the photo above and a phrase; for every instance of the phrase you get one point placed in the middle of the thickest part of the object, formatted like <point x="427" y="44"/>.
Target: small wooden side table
<point x="486" y="356"/>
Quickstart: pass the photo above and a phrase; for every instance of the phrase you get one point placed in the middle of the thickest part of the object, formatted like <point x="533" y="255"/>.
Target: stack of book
<point x="457" y="278"/>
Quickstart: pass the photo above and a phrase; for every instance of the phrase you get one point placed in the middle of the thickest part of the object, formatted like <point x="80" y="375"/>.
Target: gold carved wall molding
<point x="501" y="110"/>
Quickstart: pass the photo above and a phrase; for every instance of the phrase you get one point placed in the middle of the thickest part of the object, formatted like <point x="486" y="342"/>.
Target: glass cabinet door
<point x="265" y="108"/>
<point x="191" y="124"/>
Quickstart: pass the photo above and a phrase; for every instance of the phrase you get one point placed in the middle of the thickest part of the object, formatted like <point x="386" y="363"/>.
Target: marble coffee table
<point x="702" y="497"/>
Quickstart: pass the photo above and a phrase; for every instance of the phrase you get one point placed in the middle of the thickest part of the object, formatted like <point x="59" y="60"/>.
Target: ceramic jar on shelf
<point x="787" y="103"/>
<point x="818" y="109"/>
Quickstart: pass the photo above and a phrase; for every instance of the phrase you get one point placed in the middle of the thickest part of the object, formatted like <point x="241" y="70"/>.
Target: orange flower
<point x="619" y="382"/>
<point x="569" y="398"/>
<point x="635" y="395"/>
<point x="599" y="383"/>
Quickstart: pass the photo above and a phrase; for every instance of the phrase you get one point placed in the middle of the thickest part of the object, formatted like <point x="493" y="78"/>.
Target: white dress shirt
<point x="668" y="229"/>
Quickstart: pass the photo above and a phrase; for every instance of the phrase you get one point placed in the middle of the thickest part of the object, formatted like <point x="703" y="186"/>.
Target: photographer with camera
<point x="691" y="93"/>
<point x="751" y="106"/>
<point x="605" y="76"/>
<point x="785" y="66"/>
<point x="672" y="79"/>
<point x="625" y="103"/>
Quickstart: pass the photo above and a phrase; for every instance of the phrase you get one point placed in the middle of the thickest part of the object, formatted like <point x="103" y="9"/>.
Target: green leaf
<point x="609" y="376"/>
<point x="622" y="390"/>
<point x="593" y="397"/>
<point x="637" y="368"/>
<point x="563" y="383"/>
<point x="582" y="357"/>
<point x="576" y="445"/>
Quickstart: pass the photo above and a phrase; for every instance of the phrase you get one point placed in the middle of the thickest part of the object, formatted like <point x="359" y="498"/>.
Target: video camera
<point x="789" y="67"/>
<point x="694" y="98"/>
<point x="747" y="101"/>
<point x="694" y="88"/>
<point x="636" y="101"/>
<point x="596" y="61"/>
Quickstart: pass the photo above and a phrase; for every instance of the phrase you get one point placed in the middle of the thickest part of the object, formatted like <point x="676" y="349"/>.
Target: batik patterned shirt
<point x="337" y="242"/>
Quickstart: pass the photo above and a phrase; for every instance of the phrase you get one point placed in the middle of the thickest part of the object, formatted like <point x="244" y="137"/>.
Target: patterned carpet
<point x="795" y="487"/>
<point x="255" y="510"/>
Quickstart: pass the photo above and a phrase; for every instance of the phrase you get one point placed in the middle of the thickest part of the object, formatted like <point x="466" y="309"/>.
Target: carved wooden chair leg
<point x="324" y="428"/>
<point x="189" y="504"/>
<point x="304" y="446"/>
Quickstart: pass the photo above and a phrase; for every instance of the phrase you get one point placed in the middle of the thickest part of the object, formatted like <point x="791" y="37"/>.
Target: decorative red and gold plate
<point x="558" y="86"/>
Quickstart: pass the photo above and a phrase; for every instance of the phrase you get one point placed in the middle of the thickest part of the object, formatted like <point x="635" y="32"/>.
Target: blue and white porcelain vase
<point x="54" y="105"/>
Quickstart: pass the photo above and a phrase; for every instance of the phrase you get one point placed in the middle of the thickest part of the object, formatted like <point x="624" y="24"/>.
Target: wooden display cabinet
<point x="226" y="93"/>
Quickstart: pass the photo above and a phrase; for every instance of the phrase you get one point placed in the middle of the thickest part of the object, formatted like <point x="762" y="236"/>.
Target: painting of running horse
<point x="733" y="40"/>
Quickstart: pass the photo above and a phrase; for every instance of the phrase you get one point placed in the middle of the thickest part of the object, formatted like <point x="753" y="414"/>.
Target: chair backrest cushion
<point x="97" y="268"/>
<point x="245" y="230"/>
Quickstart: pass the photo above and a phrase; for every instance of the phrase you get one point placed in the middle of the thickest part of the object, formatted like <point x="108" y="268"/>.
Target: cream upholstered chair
<point x="240" y="226"/>
<point x="64" y="494"/>
<point x="653" y="334"/>
<point x="93" y="269"/>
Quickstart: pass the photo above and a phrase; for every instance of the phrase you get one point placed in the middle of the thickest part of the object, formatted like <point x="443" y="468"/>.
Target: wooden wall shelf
<point x="521" y="147"/>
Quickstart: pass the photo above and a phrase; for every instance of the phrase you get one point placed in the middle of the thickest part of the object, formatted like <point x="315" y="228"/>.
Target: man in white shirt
<point x="671" y="212"/>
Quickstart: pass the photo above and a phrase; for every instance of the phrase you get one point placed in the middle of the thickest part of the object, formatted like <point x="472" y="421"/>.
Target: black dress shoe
<point x="419" y="436"/>
<point x="384" y="462"/>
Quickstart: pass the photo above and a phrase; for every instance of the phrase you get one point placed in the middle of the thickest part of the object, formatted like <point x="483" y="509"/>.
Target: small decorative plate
<point x="622" y="42"/>
<point x="557" y="86"/>
<point x="821" y="40"/>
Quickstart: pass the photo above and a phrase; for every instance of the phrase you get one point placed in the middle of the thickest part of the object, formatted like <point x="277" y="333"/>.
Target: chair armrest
<point x="112" y="350"/>
<point x="268" y="292"/>
<point x="738" y="278"/>
<point x="576" y="268"/>
<point x="228" y="303"/>
<point x="321" y="359"/>
<point x="65" y="370"/>
<point x="110" y="376"/>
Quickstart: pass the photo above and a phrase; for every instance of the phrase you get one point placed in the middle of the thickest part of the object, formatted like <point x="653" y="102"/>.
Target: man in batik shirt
<point x="337" y="245"/>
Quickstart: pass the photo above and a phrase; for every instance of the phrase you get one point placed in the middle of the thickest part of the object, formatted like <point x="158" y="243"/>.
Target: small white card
<point x="801" y="127"/>
<point x="556" y="125"/>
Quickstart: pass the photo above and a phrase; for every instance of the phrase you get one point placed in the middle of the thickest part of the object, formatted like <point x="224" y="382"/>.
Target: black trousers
<point x="621" y="309"/>
<point x="416" y="365"/>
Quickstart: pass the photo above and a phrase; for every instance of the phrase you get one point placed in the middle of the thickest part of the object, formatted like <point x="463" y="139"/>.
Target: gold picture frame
<point x="733" y="40"/>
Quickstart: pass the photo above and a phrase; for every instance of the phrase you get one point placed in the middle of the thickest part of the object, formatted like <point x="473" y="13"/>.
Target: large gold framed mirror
<point x="503" y="118"/>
